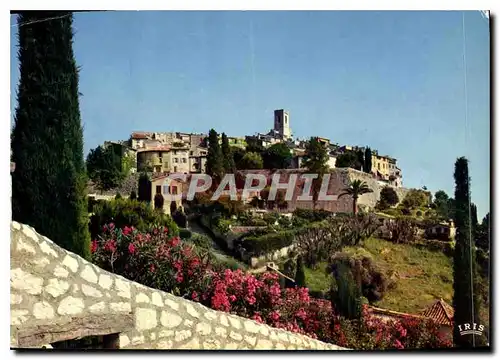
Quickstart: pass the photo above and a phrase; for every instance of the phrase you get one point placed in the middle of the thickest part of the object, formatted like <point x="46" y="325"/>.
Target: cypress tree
<point x="347" y="297"/>
<point x="367" y="167"/>
<point x="49" y="183"/>
<point x="228" y="160"/>
<point x="360" y="160"/>
<point x="215" y="167"/>
<point x="465" y="303"/>
<point x="300" y="276"/>
<point x="144" y="188"/>
<point x="474" y="221"/>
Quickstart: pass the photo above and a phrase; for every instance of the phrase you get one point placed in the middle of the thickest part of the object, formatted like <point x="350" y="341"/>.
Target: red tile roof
<point x="441" y="312"/>
<point x="140" y="135"/>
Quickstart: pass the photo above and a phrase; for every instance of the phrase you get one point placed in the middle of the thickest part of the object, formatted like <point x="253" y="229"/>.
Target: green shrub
<point x="201" y="241"/>
<point x="298" y="222"/>
<point x="300" y="276"/>
<point x="126" y="212"/>
<point x="284" y="221"/>
<point x="118" y="196"/>
<point x="260" y="245"/>
<point x="258" y="222"/>
<point x="312" y="215"/>
<point x="225" y="262"/>
<point x="185" y="234"/>
<point x="222" y="225"/>
<point x="180" y="218"/>
<point x="393" y="212"/>
<point x="271" y="217"/>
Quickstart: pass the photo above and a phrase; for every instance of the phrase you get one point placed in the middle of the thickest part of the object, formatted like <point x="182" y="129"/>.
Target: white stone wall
<point x="50" y="285"/>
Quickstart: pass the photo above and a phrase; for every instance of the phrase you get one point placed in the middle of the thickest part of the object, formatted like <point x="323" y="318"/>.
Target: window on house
<point x="175" y="168"/>
<point x="173" y="190"/>
<point x="184" y="160"/>
<point x="176" y="160"/>
<point x="158" y="189"/>
<point x="378" y="166"/>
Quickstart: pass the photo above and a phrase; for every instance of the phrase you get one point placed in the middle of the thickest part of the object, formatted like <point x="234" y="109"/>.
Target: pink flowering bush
<point x="161" y="261"/>
<point x="154" y="259"/>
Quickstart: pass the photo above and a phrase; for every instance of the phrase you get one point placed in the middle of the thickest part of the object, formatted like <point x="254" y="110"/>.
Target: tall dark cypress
<point x="367" y="167"/>
<point x="474" y="221"/>
<point x="214" y="165"/>
<point x="49" y="183"/>
<point x="300" y="276"/>
<point x="228" y="160"/>
<point x="465" y="303"/>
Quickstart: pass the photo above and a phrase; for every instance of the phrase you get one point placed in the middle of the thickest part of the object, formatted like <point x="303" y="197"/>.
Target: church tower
<point x="282" y="124"/>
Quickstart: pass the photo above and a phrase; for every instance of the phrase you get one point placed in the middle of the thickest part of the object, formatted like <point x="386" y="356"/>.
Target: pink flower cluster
<point x="159" y="260"/>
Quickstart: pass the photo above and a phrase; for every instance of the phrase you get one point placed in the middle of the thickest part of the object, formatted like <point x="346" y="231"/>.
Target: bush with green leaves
<point x="388" y="196"/>
<point x="403" y="230"/>
<point x="300" y="276"/>
<point x="393" y="212"/>
<point x="284" y="222"/>
<point x="318" y="241"/>
<point x="261" y="245"/>
<point x="201" y="241"/>
<point x="371" y="280"/>
<point x="126" y="212"/>
<point x="180" y="218"/>
<point x="312" y="215"/>
<point x="416" y="199"/>
<point x="271" y="217"/>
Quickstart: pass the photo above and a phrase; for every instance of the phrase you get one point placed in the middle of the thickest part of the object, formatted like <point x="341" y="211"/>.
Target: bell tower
<point x="282" y="123"/>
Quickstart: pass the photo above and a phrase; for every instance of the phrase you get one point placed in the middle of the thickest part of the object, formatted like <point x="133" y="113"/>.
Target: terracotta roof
<point x="441" y="312"/>
<point x="140" y="135"/>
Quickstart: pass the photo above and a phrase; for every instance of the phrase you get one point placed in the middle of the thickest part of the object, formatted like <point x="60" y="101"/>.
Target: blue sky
<point x="390" y="80"/>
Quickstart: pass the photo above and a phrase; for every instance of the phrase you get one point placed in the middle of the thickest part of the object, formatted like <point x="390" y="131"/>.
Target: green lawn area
<point x="421" y="275"/>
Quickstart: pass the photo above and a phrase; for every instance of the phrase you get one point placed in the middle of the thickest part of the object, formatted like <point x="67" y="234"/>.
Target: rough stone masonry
<point x="56" y="295"/>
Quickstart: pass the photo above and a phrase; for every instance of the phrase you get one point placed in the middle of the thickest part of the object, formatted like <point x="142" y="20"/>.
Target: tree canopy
<point x="277" y="156"/>
<point x="49" y="182"/>
<point x="104" y="167"/>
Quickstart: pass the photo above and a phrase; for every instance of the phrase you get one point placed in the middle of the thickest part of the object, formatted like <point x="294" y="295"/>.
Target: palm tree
<point x="356" y="189"/>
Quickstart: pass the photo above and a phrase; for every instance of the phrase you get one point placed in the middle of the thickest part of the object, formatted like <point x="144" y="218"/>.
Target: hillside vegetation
<point x="421" y="276"/>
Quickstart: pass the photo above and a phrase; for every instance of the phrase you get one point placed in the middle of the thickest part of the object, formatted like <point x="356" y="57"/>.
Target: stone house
<point x="164" y="159"/>
<point x="174" y="187"/>
<point x="442" y="231"/>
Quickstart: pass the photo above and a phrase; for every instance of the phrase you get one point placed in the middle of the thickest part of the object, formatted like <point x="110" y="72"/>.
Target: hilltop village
<point x="166" y="152"/>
